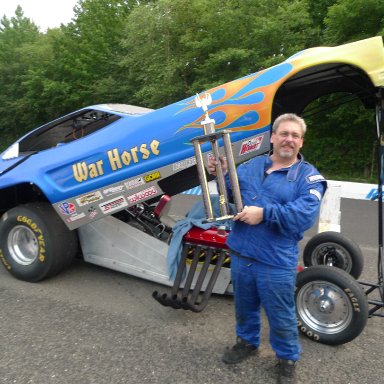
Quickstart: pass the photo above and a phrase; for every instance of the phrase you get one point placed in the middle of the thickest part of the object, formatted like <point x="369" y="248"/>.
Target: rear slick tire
<point x="331" y="306"/>
<point x="34" y="242"/>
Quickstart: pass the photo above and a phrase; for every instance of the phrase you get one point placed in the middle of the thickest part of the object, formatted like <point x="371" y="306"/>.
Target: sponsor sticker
<point x="152" y="176"/>
<point x="67" y="208"/>
<point x="92" y="212"/>
<point x="89" y="198"/>
<point x="142" y="195"/>
<point x="134" y="183"/>
<point x="250" y="145"/>
<point x="113" y="205"/>
<point x="191" y="161"/>
<point x="75" y="217"/>
<point x="113" y="190"/>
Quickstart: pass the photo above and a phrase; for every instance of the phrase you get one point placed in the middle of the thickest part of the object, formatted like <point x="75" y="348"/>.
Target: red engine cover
<point x="213" y="237"/>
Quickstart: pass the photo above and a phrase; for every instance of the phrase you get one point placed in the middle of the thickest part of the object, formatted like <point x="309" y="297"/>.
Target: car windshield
<point x="66" y="129"/>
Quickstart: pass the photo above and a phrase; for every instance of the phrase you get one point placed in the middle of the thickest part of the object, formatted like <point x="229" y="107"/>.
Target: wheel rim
<point x="23" y="245"/>
<point x="324" y="307"/>
<point x="333" y="255"/>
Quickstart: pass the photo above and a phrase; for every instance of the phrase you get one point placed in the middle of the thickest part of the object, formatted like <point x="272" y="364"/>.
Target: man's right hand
<point x="212" y="163"/>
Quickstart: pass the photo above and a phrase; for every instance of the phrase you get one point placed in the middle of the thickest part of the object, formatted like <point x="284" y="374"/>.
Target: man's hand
<point x="251" y="215"/>
<point x="212" y="163"/>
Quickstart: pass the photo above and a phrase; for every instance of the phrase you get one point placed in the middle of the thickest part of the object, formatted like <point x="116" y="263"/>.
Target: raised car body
<point x="102" y="159"/>
<point x="62" y="182"/>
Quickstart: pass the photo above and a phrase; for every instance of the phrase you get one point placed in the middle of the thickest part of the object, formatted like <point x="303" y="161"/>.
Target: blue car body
<point x="101" y="159"/>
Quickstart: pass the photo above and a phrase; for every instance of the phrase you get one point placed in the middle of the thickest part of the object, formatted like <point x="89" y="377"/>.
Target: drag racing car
<point x="100" y="181"/>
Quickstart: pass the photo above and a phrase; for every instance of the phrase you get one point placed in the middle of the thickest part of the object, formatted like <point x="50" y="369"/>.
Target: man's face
<point x="287" y="140"/>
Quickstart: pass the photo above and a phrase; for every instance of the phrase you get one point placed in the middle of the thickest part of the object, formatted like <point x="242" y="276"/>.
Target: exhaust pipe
<point x="193" y="299"/>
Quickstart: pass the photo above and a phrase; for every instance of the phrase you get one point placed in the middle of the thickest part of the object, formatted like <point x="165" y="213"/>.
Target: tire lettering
<point x="308" y="333"/>
<point x="6" y="265"/>
<point x="354" y="300"/>
<point x="40" y="238"/>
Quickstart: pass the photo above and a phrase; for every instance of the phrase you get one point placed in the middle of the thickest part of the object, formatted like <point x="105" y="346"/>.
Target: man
<point x="281" y="194"/>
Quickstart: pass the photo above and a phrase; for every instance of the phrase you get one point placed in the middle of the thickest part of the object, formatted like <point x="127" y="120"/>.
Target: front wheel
<point x="335" y="250"/>
<point x="34" y="242"/>
<point x="331" y="306"/>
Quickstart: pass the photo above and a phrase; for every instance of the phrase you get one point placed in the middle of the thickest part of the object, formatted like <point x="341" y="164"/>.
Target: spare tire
<point x="335" y="250"/>
<point x="331" y="306"/>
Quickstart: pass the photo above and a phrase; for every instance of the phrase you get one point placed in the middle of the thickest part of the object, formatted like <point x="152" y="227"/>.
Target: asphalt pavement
<point x="90" y="325"/>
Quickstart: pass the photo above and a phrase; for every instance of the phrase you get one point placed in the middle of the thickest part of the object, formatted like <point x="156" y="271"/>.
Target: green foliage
<point x="351" y="20"/>
<point x="342" y="143"/>
<point x="153" y="53"/>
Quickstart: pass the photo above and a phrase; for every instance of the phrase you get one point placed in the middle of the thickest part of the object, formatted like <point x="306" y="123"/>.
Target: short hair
<point x="290" y="117"/>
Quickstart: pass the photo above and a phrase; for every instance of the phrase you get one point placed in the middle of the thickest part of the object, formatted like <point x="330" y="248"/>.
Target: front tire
<point x="331" y="306"/>
<point x="34" y="242"/>
<point x="335" y="250"/>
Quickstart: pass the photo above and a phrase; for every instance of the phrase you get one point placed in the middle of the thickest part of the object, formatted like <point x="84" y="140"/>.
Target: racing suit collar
<point x="293" y="171"/>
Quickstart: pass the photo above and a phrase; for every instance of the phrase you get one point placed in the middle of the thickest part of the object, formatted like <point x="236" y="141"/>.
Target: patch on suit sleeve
<point x="316" y="193"/>
<point x="315" y="178"/>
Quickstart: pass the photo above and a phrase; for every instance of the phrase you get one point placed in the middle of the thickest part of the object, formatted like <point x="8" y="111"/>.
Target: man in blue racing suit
<point x="281" y="194"/>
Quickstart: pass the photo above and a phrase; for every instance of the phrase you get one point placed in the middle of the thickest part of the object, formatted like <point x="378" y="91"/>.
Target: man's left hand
<point x="251" y="215"/>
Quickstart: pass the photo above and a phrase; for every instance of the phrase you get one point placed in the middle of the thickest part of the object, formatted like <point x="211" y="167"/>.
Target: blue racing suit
<point x="265" y="256"/>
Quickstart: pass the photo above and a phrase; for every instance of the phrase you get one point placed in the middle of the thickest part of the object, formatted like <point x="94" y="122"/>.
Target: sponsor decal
<point x="250" y="145"/>
<point x="113" y="205"/>
<point x="191" y="161"/>
<point x="152" y="176"/>
<point x="142" y="195"/>
<point x="67" y="208"/>
<point x="92" y="212"/>
<point x="113" y="190"/>
<point x="316" y="193"/>
<point x="117" y="159"/>
<point x="315" y="178"/>
<point x="134" y="183"/>
<point x="75" y="217"/>
<point x="89" y="198"/>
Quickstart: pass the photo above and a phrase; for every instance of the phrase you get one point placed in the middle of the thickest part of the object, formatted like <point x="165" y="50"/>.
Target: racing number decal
<point x="38" y="232"/>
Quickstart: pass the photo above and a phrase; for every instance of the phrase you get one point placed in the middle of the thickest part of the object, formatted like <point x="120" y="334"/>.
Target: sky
<point x="44" y="13"/>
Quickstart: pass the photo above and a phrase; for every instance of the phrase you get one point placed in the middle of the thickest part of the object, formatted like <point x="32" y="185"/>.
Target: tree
<point x="352" y="20"/>
<point x="317" y="10"/>
<point x="87" y="50"/>
<point x="18" y="36"/>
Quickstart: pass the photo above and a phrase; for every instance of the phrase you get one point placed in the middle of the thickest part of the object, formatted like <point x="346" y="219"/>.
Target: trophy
<point x="210" y="135"/>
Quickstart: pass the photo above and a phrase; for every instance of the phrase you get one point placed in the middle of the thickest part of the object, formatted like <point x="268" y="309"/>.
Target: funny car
<point x="98" y="182"/>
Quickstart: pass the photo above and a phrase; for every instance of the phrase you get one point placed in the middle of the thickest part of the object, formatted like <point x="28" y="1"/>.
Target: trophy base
<point x="221" y="218"/>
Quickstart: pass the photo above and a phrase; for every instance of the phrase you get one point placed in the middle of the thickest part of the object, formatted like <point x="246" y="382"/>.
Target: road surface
<point x="90" y="325"/>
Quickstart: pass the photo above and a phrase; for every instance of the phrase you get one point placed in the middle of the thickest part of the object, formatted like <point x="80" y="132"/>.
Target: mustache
<point x="292" y="146"/>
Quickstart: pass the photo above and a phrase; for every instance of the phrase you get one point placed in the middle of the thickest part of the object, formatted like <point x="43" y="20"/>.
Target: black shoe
<point x="286" y="371"/>
<point x="239" y="352"/>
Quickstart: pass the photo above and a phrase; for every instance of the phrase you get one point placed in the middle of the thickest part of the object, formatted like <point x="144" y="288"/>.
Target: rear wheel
<point x="335" y="250"/>
<point x="331" y="306"/>
<point x="34" y="242"/>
